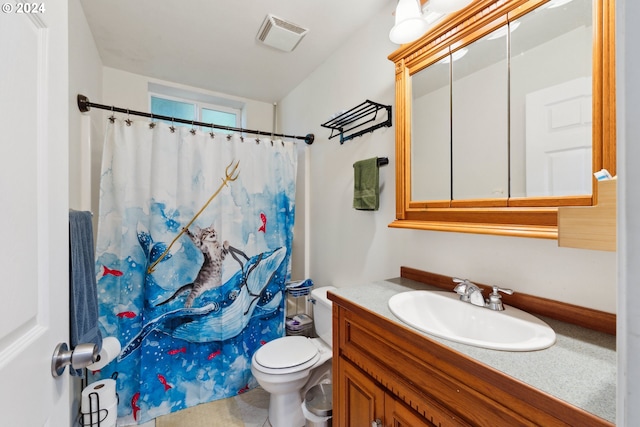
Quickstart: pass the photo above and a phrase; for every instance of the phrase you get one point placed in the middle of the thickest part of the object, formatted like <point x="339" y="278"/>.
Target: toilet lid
<point x="286" y="352"/>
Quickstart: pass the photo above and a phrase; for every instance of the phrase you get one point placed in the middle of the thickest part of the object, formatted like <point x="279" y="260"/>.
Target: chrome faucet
<point x="470" y="292"/>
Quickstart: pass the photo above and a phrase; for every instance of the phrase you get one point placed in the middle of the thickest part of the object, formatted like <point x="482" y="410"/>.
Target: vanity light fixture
<point x="409" y="23"/>
<point x="412" y="20"/>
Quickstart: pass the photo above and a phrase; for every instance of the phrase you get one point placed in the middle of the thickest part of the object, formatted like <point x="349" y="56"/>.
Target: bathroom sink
<point x="443" y="314"/>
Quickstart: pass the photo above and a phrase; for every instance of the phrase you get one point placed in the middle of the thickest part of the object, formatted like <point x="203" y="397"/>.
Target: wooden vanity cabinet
<point x="368" y="402"/>
<point x="363" y="396"/>
<point x="387" y="372"/>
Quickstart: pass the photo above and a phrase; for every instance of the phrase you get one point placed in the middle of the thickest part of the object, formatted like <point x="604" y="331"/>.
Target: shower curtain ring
<point x="229" y="137"/>
<point x="152" y="124"/>
<point x="112" y="118"/>
<point x="193" y="129"/>
<point x="172" y="128"/>
<point x="128" y="121"/>
<point x="213" y="135"/>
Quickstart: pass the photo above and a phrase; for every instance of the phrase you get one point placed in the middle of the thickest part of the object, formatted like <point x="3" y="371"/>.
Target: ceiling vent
<point x="281" y="34"/>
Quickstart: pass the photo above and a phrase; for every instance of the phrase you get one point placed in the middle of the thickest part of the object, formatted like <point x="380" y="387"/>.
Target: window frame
<point x="199" y="106"/>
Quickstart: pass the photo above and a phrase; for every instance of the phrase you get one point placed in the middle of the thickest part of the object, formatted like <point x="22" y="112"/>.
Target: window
<point x="218" y="117"/>
<point x="196" y="107"/>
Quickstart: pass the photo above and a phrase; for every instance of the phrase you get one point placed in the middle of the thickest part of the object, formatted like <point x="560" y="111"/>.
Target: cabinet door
<point x="363" y="399"/>
<point x="399" y="415"/>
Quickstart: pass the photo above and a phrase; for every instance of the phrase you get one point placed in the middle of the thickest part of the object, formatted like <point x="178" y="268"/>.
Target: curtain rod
<point x="85" y="105"/>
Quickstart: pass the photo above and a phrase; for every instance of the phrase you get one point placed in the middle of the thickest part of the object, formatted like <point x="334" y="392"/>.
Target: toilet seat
<point x="287" y="354"/>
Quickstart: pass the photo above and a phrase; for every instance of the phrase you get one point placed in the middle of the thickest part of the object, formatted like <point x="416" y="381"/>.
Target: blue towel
<point x="83" y="290"/>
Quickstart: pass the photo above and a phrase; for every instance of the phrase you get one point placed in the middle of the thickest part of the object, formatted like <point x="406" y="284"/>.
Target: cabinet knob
<point x="376" y="423"/>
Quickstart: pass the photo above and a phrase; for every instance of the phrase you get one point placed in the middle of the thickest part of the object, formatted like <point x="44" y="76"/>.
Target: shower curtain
<point x="193" y="250"/>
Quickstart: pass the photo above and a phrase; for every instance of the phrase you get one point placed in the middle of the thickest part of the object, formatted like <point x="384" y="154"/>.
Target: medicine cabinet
<point x="503" y="112"/>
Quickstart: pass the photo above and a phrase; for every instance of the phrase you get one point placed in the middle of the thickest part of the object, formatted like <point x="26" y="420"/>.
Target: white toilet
<point x="287" y="367"/>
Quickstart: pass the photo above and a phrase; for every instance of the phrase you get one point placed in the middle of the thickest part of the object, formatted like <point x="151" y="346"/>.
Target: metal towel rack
<point x="383" y="161"/>
<point x="355" y="118"/>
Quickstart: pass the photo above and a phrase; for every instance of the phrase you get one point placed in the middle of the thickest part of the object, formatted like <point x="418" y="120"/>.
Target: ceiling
<point x="211" y="44"/>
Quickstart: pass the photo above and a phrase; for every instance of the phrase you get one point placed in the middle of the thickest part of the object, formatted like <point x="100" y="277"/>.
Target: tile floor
<point x="254" y="407"/>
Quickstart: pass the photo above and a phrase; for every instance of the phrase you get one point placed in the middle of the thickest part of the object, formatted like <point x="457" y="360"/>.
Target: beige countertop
<point x="580" y="368"/>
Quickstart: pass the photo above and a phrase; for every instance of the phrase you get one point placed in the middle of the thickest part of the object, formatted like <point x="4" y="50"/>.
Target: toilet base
<point x="285" y="410"/>
<point x="287" y="387"/>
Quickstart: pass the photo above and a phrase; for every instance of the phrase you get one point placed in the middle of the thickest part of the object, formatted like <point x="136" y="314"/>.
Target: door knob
<point x="80" y="357"/>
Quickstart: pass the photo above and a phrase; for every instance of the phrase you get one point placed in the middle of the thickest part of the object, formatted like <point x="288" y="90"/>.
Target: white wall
<point x="347" y="247"/>
<point x="128" y="90"/>
<point x="85" y="130"/>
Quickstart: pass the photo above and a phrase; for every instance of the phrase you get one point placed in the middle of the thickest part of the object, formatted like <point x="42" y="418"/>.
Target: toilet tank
<point x="322" y="316"/>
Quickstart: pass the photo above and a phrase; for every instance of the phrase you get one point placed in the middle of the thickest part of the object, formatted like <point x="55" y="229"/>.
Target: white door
<point x="558" y="139"/>
<point x="34" y="266"/>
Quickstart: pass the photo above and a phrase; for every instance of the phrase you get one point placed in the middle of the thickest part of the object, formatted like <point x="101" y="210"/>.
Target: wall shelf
<point x="355" y="118"/>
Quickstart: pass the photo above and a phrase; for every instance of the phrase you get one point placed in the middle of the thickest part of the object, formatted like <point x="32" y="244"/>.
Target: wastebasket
<point x="317" y="406"/>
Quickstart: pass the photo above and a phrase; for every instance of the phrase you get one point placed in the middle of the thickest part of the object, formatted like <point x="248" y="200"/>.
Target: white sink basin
<point x="443" y="314"/>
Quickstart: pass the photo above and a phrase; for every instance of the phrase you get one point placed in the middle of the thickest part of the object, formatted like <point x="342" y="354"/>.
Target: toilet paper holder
<point x="99" y="403"/>
<point x="96" y="415"/>
<point x="80" y="357"/>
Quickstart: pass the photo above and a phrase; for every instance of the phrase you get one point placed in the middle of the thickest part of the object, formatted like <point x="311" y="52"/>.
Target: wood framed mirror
<point x="466" y="158"/>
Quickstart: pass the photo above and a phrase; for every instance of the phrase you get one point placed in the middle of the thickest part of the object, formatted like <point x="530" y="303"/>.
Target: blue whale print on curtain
<point x="193" y="253"/>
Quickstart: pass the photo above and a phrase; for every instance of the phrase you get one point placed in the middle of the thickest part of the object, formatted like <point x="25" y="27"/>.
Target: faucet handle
<point x="495" y="299"/>
<point x="497" y="289"/>
<point x="462" y="288"/>
<point x="461" y="284"/>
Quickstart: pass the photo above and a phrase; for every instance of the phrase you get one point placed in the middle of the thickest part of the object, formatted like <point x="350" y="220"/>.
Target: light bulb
<point x="409" y="24"/>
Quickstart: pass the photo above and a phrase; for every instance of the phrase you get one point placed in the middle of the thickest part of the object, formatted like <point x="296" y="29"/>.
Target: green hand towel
<point x="366" y="189"/>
